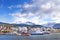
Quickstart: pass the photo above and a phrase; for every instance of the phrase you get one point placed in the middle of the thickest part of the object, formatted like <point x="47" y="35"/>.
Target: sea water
<point x="52" y="36"/>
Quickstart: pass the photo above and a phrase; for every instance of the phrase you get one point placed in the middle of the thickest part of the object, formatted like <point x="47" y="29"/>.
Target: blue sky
<point x="36" y="11"/>
<point x="5" y="11"/>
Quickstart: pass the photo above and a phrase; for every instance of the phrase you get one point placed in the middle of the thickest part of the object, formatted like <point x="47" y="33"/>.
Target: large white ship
<point x="38" y="32"/>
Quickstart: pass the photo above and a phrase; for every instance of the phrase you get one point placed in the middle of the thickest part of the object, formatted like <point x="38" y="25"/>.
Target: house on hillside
<point x="47" y="29"/>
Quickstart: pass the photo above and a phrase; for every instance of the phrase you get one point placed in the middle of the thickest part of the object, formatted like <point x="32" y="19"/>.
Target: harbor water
<point x="52" y="36"/>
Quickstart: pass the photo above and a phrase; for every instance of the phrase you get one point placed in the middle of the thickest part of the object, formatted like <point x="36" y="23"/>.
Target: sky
<point x="35" y="11"/>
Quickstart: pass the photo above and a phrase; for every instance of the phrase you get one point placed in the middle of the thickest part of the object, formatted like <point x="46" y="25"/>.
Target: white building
<point x="23" y="29"/>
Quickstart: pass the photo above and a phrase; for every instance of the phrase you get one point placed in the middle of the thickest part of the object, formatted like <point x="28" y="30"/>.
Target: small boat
<point x="25" y="34"/>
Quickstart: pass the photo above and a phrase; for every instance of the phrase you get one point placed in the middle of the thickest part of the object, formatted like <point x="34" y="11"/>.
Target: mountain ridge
<point x="23" y="24"/>
<point x="57" y="26"/>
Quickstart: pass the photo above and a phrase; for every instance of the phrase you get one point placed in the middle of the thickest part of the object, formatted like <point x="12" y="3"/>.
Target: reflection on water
<point x="32" y="37"/>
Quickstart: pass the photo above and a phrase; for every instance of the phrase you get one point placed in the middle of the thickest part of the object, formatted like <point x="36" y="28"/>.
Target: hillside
<point x="28" y="24"/>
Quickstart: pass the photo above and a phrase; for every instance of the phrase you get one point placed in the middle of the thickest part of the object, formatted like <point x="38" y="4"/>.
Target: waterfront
<point x="55" y="36"/>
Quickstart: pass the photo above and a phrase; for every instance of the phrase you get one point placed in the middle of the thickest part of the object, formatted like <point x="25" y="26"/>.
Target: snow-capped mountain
<point x="49" y="24"/>
<point x="29" y="23"/>
<point x="57" y="26"/>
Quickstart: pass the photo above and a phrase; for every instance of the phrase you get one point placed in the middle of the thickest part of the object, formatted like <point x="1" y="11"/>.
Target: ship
<point x="38" y="32"/>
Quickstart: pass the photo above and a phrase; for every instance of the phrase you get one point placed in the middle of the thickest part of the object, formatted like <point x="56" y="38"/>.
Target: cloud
<point x="47" y="6"/>
<point x="49" y="9"/>
<point x="39" y="12"/>
<point x="14" y="6"/>
<point x="55" y="16"/>
<point x="24" y="17"/>
<point x="20" y="6"/>
<point x="27" y="6"/>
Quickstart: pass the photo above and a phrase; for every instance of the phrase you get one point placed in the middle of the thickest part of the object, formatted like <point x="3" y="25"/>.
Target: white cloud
<point x="24" y="17"/>
<point x="46" y="6"/>
<point x="34" y="19"/>
<point x="30" y="14"/>
<point x="19" y="14"/>
<point x="49" y="9"/>
<point x="39" y="12"/>
<point x="20" y="20"/>
<point x="55" y="16"/>
<point x="14" y="6"/>
<point x="27" y="6"/>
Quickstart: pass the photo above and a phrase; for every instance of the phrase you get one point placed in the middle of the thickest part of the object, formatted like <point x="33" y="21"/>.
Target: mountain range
<point x="27" y="24"/>
<point x="49" y="24"/>
<point x="3" y="23"/>
<point x="30" y="24"/>
<point x="56" y="26"/>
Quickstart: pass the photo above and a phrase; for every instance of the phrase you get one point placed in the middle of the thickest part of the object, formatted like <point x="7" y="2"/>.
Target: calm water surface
<point x="55" y="36"/>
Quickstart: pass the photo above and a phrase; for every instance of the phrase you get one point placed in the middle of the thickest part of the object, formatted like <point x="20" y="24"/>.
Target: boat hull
<point x="36" y="33"/>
